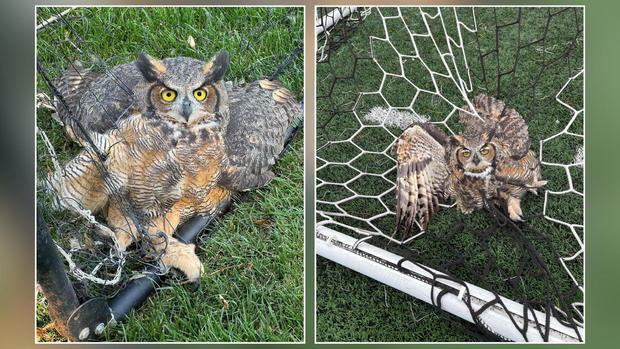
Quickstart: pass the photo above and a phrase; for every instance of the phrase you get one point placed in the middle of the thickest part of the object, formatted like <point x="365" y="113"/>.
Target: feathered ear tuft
<point x="215" y="69"/>
<point x="456" y="140"/>
<point x="150" y="68"/>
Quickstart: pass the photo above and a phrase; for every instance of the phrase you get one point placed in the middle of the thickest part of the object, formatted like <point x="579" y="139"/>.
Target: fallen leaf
<point x="223" y="301"/>
<point x="191" y="42"/>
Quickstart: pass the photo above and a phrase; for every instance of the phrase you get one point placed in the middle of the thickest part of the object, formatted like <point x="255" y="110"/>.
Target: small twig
<point x="221" y="270"/>
<point x="54" y="18"/>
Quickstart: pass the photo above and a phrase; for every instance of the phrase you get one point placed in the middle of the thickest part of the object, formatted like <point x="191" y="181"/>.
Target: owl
<point x="489" y="161"/>
<point x="164" y="141"/>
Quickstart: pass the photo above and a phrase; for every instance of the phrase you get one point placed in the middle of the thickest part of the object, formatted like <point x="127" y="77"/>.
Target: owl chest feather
<point x="471" y="192"/>
<point x="168" y="165"/>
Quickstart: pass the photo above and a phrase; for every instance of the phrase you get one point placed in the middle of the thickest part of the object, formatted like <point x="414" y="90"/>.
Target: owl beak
<point x="476" y="159"/>
<point x="187" y="109"/>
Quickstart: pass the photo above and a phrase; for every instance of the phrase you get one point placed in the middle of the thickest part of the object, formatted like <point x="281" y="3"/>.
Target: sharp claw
<point x="193" y="286"/>
<point x="517" y="217"/>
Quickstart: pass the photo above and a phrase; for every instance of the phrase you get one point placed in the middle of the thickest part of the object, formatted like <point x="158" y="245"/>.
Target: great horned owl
<point x="166" y="140"/>
<point x="490" y="160"/>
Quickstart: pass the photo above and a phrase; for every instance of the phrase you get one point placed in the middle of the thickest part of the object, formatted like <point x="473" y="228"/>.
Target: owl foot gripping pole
<point x="90" y="319"/>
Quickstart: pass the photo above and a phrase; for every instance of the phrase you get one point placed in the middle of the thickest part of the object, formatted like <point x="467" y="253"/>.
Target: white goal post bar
<point x="343" y="249"/>
<point x="332" y="18"/>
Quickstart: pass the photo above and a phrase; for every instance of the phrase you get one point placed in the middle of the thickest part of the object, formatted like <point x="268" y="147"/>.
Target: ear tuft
<point x="150" y="68"/>
<point x="456" y="140"/>
<point x="216" y="67"/>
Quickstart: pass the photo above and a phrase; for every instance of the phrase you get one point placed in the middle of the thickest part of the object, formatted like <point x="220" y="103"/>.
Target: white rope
<point x="50" y="148"/>
<point x="116" y="257"/>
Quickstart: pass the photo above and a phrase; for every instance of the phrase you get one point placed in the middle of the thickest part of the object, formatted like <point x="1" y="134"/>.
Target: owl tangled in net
<point x="489" y="161"/>
<point x="164" y="141"/>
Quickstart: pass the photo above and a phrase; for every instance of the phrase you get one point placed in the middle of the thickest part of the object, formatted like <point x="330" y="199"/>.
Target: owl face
<point x="475" y="155"/>
<point x="186" y="91"/>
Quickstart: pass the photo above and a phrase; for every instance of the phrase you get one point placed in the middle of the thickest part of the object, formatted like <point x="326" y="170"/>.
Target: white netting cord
<point x="49" y="148"/>
<point x="116" y="255"/>
<point x="323" y="24"/>
<point x="401" y="117"/>
<point x="463" y="86"/>
<point x="397" y="117"/>
<point x="579" y="161"/>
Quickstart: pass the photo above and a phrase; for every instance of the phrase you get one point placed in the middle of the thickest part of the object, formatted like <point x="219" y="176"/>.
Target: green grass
<point x="350" y="78"/>
<point x="254" y="261"/>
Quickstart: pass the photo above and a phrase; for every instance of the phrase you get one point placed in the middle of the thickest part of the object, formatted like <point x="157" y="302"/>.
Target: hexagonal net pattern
<point x="383" y="68"/>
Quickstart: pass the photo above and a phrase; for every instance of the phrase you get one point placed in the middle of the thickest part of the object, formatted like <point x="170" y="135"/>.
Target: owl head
<point x="474" y="153"/>
<point x="185" y="90"/>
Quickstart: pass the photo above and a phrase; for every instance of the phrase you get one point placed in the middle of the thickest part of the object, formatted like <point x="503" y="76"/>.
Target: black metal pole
<point x="134" y="294"/>
<point x="138" y="289"/>
<point x="54" y="282"/>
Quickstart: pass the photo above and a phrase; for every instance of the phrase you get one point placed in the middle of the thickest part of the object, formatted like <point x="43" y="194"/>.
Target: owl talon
<point x="193" y="286"/>
<point x="514" y="209"/>
<point x="181" y="256"/>
<point x="517" y="218"/>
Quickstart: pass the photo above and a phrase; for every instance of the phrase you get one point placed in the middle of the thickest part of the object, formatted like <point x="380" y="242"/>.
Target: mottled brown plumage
<point x="169" y="140"/>
<point x="489" y="160"/>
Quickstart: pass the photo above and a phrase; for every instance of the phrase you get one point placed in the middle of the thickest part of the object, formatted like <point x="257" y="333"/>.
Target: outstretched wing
<point x="421" y="174"/>
<point x="260" y="114"/>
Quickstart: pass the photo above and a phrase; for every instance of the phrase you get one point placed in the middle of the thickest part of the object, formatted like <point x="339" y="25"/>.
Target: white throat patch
<point x="482" y="174"/>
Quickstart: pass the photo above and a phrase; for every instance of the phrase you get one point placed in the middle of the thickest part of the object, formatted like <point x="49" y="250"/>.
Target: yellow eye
<point x="168" y="95"/>
<point x="484" y="151"/>
<point x="466" y="153"/>
<point x="200" y="94"/>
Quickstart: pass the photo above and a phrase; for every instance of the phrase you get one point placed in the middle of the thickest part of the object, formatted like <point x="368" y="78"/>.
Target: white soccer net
<point x="379" y="69"/>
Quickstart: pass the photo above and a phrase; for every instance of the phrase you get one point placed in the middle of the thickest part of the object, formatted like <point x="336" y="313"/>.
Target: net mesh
<point x="86" y="38"/>
<point x="383" y="68"/>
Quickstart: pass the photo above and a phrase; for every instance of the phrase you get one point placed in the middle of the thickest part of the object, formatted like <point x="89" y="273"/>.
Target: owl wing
<point x="93" y="102"/>
<point x="260" y="115"/>
<point x="421" y="173"/>
<point x="71" y="85"/>
<point x="509" y="126"/>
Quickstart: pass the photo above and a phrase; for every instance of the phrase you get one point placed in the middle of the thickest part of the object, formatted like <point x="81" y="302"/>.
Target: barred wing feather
<point x="260" y="114"/>
<point x="421" y="174"/>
